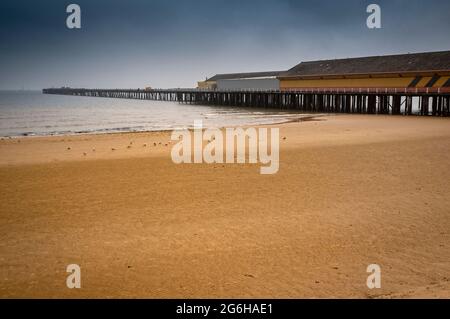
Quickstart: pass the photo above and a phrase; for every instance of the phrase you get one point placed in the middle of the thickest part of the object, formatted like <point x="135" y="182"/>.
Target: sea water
<point x="27" y="113"/>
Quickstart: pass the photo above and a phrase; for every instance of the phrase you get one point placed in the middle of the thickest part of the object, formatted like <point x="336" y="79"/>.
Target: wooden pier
<point x="395" y="101"/>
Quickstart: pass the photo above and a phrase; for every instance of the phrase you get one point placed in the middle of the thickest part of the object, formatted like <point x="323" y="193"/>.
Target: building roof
<point x="415" y="62"/>
<point x="235" y="76"/>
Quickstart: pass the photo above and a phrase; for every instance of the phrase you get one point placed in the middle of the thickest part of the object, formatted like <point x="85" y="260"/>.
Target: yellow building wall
<point x="206" y="84"/>
<point x="398" y="82"/>
<point x="423" y="83"/>
<point x="439" y="83"/>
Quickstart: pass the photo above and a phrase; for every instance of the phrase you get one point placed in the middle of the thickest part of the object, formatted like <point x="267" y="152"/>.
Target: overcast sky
<point x="167" y="43"/>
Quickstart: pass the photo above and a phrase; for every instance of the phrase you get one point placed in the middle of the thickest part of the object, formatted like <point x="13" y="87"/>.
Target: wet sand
<point x="351" y="191"/>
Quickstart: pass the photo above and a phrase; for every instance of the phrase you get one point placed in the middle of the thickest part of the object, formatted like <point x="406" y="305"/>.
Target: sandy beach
<point x="352" y="190"/>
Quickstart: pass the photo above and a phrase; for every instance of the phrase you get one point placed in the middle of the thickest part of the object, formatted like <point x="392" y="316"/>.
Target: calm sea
<point x="33" y="113"/>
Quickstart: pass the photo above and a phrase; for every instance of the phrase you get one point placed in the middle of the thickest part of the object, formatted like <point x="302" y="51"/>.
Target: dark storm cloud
<point x="167" y="43"/>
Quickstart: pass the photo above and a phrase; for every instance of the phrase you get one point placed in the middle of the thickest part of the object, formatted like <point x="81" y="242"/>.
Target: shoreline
<point x="116" y="145"/>
<point x="304" y="118"/>
<point x="112" y="131"/>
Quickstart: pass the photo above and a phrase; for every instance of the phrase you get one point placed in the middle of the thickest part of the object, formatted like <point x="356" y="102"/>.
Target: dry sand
<point x="351" y="191"/>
